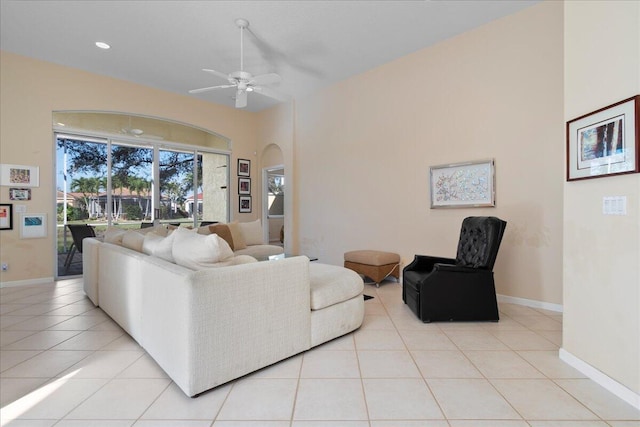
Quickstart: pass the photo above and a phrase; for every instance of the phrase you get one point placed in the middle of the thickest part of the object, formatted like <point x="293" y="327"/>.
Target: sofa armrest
<point x="208" y="327"/>
<point x="90" y="250"/>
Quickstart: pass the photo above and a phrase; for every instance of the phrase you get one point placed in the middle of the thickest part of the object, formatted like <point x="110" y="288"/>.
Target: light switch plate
<point x="614" y="205"/>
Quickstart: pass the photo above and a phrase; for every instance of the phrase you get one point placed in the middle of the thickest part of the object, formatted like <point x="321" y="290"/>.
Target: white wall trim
<point x="39" y="281"/>
<point x="530" y="303"/>
<point x="601" y="379"/>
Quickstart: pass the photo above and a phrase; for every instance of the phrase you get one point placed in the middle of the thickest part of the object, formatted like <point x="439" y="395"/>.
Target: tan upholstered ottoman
<point x="377" y="265"/>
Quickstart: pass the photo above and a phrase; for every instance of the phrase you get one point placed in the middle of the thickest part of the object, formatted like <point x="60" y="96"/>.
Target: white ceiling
<point x="165" y="44"/>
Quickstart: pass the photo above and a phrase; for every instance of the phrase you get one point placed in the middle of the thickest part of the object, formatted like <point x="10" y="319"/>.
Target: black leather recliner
<point x="444" y="289"/>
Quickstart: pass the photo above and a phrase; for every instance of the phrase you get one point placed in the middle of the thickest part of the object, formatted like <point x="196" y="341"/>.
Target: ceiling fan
<point x="243" y="81"/>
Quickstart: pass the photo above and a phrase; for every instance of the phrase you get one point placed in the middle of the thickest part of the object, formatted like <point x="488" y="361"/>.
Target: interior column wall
<point x="602" y="253"/>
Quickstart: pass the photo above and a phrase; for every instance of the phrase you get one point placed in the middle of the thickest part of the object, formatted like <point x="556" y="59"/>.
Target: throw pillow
<point x="159" y="229"/>
<point x="164" y="248"/>
<point x="204" y="230"/>
<point x="133" y="240"/>
<point x="252" y="232"/>
<point x="151" y="242"/>
<point x="114" y="235"/>
<point x="238" y="238"/>
<point x="223" y="231"/>
<point x="196" y="251"/>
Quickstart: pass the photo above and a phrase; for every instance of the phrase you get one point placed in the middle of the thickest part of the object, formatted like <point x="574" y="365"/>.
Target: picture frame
<point x="19" y="194"/>
<point x="244" y="167"/>
<point x="33" y="226"/>
<point x="22" y="175"/>
<point x="244" y="185"/>
<point x="244" y="205"/>
<point x="6" y="216"/>
<point x="463" y="185"/>
<point x="605" y="142"/>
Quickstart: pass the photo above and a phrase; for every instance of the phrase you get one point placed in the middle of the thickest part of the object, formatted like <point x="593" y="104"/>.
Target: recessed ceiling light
<point x="103" y="45"/>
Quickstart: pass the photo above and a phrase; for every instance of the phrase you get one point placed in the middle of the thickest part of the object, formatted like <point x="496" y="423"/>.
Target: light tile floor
<point x="64" y="362"/>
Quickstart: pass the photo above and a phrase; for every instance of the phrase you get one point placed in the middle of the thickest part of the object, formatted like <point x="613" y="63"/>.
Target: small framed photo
<point x="244" y="185"/>
<point x="33" y="226"/>
<point x="19" y="194"/>
<point x="244" y="167"/>
<point x="6" y="216"/>
<point x="604" y="142"/>
<point x="24" y="176"/>
<point x="463" y="185"/>
<point x="245" y="204"/>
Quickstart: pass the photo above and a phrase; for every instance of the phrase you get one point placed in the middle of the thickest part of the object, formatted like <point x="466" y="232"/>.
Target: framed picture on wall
<point x="6" y="216"/>
<point x="244" y="167"/>
<point x="604" y="142"/>
<point x="33" y="226"/>
<point x="24" y="176"/>
<point x="245" y="204"/>
<point x="463" y="185"/>
<point x="19" y="194"/>
<point x="244" y="185"/>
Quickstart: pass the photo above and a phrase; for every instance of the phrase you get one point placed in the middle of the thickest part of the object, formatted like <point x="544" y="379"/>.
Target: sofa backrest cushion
<point x="114" y="235"/>
<point x="197" y="251"/>
<point x="133" y="240"/>
<point x="252" y="232"/>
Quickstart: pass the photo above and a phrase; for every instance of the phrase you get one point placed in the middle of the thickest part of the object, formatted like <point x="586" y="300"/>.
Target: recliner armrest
<point x="426" y="263"/>
<point x="452" y="268"/>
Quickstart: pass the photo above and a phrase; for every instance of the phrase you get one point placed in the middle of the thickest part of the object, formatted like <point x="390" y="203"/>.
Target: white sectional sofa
<point x="209" y="326"/>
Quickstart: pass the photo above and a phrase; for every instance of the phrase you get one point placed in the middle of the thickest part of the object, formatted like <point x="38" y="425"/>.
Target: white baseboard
<point x="601" y="379"/>
<point x="530" y="303"/>
<point x="39" y="281"/>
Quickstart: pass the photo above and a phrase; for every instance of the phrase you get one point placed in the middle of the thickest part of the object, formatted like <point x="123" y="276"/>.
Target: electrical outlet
<point x="5" y="266"/>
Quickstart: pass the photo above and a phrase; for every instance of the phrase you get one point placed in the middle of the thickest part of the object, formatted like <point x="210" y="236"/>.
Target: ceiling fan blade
<point x="217" y="73"/>
<point x="270" y="93"/>
<point x="206" y="89"/>
<point x="241" y="98"/>
<point x="266" y="79"/>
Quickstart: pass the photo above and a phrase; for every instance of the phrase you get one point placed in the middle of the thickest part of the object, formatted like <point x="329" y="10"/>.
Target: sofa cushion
<point x="114" y="235"/>
<point x="252" y="232"/>
<point x="234" y="260"/>
<point x="151" y="241"/>
<point x="260" y="251"/>
<point x="237" y="236"/>
<point x="164" y="248"/>
<point x="331" y="285"/>
<point x="223" y="231"/>
<point x="133" y="240"/>
<point x="196" y="251"/>
<point x="159" y="229"/>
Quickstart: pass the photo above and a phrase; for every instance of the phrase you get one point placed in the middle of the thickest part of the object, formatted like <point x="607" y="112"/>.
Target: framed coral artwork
<point x="463" y="185"/>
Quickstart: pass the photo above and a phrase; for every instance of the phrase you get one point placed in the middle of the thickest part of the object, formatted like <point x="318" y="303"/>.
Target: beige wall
<point x="602" y="253"/>
<point x="30" y="90"/>
<point x="364" y="147"/>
